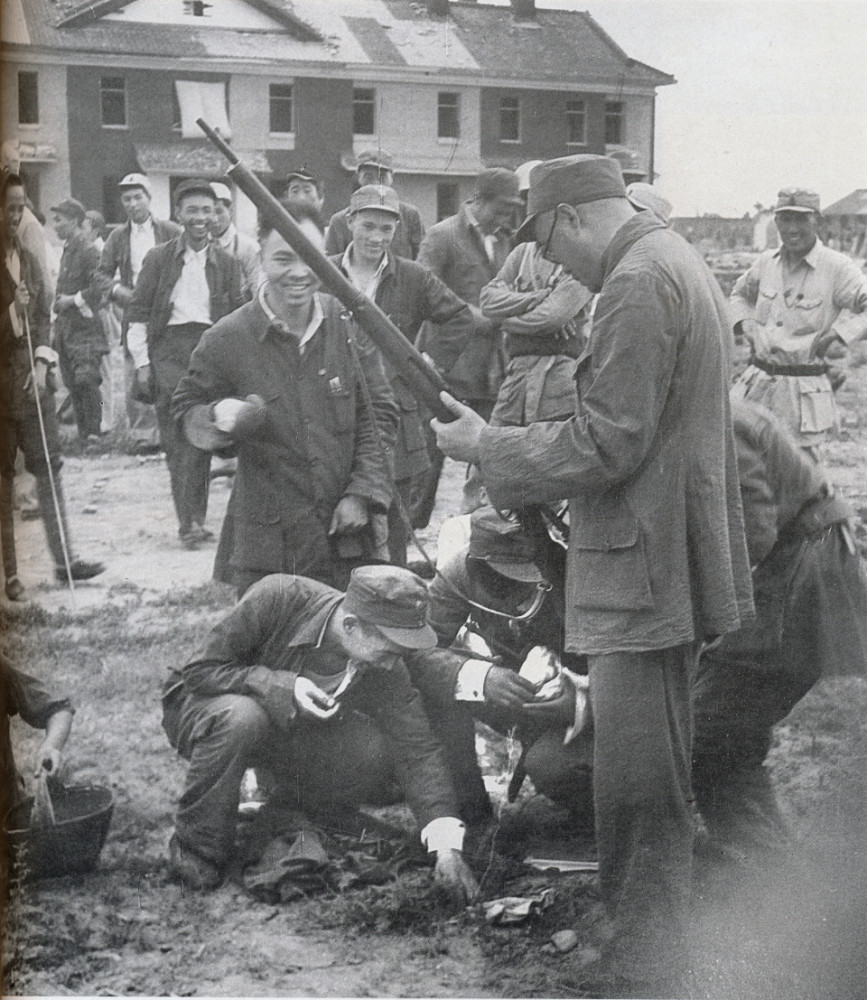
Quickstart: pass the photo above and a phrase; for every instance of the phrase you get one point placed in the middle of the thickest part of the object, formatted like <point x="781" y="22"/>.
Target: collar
<point x="137" y="227"/>
<point x="347" y="268"/>
<point x="277" y="325"/>
<point x="811" y="259"/>
<point x="628" y="234"/>
<point x="181" y="247"/>
<point x="225" y="239"/>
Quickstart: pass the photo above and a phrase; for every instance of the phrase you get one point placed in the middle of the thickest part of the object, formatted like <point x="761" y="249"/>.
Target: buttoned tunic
<point x="318" y="443"/>
<point x="792" y="302"/>
<point x="657" y="556"/>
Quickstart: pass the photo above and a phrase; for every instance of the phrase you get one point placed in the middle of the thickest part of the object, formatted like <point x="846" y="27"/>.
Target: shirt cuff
<point x="443" y="834"/>
<point x="83" y="307"/>
<point x="47" y="355"/>
<point x="850" y="328"/>
<point x="470" y="684"/>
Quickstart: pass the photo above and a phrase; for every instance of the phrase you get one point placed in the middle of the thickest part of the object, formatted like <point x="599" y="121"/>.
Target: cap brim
<point x="795" y="208"/>
<point x="524" y="572"/>
<point x="410" y="638"/>
<point x="527" y="230"/>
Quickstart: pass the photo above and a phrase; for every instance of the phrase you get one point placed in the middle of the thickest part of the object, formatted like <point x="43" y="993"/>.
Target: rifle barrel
<point x="423" y="380"/>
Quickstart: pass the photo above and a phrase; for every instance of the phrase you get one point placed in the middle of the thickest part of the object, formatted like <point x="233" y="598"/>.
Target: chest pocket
<point x="765" y="305"/>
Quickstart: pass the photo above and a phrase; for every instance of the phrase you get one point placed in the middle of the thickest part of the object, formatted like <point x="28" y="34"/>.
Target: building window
<point x="112" y="101"/>
<point x="364" y="111"/>
<point x="447" y="200"/>
<point x="613" y="123"/>
<point x="280" y="108"/>
<point x="28" y="98"/>
<point x="510" y="119"/>
<point x="448" y="115"/>
<point x="576" y="123"/>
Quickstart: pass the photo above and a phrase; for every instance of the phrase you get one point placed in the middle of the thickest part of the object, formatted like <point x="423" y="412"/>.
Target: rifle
<point x="424" y="381"/>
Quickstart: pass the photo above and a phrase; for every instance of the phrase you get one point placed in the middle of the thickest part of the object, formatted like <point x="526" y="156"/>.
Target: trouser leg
<point x="170" y="439"/>
<point x="54" y="519"/>
<point x="735" y="708"/>
<point x="564" y="773"/>
<point x="7" y="525"/>
<point x="644" y="827"/>
<point x="221" y="737"/>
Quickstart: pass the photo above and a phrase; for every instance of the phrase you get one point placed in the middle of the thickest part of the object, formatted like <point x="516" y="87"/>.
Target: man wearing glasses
<point x="657" y="559"/>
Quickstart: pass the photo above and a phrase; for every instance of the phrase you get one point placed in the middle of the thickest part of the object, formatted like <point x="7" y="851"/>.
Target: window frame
<point x="103" y="90"/>
<point x="370" y="103"/>
<point x="32" y="78"/>
<point x="615" y="111"/>
<point x="514" y="110"/>
<point x="272" y="97"/>
<point x="571" y="112"/>
<point x="450" y="108"/>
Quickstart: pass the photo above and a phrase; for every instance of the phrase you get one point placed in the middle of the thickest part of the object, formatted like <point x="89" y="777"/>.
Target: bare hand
<point x="312" y="700"/>
<point x="143" y="377"/>
<point x="823" y="341"/>
<point x="554" y="711"/>
<point x="454" y="879"/>
<point x="349" y="515"/>
<point x="506" y="689"/>
<point x="41" y="377"/>
<point x="459" y="439"/>
<point x="47" y="759"/>
<point x="63" y="302"/>
<point x="22" y="298"/>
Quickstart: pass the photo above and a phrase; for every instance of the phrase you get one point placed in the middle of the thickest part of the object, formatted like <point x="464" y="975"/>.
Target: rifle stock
<point x="425" y="383"/>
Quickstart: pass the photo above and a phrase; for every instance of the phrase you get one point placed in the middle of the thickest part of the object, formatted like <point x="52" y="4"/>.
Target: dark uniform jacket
<point x="657" y="556"/>
<point x="409" y="294"/>
<point x="78" y="336"/>
<point x="318" y="442"/>
<point x="151" y="301"/>
<point x="14" y="359"/>
<point x="115" y="263"/>
<point x="455" y="251"/>
<point x="275" y="628"/>
<point x="406" y="241"/>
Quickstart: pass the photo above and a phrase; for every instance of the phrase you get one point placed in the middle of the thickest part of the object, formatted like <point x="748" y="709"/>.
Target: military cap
<point x="71" y="208"/>
<point x="393" y="599"/>
<point x="794" y="199"/>
<point x="498" y="182"/>
<point x="569" y="180"/>
<point x="503" y="545"/>
<point x="375" y="196"/>
<point x="194" y="185"/>
<point x="136" y="181"/>
<point x="375" y="158"/>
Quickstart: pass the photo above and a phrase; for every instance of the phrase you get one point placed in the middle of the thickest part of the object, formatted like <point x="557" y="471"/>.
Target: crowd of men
<point x="642" y="645"/>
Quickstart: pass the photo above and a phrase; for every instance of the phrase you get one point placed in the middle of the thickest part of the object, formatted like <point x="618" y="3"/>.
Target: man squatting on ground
<point x="408" y="294"/>
<point x="279" y="382"/>
<point x="119" y="267"/>
<point x="657" y="559"/>
<point x="185" y="286"/>
<point x="310" y="684"/>
<point x="25" y="300"/>
<point x="788" y="306"/>
<point x="79" y="333"/>
<point x="492" y="581"/>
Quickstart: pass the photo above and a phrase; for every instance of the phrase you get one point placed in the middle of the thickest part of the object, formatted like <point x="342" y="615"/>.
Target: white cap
<point x="136" y="181"/>
<point x="221" y="192"/>
<point x="523" y="174"/>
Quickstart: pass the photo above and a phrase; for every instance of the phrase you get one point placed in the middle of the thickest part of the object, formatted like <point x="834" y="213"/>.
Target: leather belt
<point x="770" y="368"/>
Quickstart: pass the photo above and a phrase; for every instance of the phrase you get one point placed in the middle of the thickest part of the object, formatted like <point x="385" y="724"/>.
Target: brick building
<point x="95" y="89"/>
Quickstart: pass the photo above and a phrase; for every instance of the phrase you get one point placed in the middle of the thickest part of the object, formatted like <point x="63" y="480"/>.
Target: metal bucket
<point x="82" y="814"/>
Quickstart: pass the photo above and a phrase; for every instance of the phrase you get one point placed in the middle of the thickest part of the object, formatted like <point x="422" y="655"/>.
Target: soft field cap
<point x="503" y="545"/>
<point x="376" y="196"/>
<point x="395" y="601"/>
<point x="797" y="200"/>
<point x="570" y="180"/>
<point x="71" y="208"/>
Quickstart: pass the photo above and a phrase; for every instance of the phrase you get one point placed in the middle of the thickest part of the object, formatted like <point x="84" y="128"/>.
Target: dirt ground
<point x="125" y="929"/>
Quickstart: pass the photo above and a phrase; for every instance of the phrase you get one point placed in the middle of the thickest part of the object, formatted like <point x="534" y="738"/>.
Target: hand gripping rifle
<point x="424" y="381"/>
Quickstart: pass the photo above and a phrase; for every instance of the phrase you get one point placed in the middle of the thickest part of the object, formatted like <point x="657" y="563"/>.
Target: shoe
<point x="14" y="589"/>
<point x="189" y="539"/>
<point x="202" y="533"/>
<point x="192" y="869"/>
<point x="80" y="570"/>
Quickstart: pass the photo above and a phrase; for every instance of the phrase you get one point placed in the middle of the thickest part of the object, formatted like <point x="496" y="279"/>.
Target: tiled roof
<point x="853" y="204"/>
<point x="475" y="38"/>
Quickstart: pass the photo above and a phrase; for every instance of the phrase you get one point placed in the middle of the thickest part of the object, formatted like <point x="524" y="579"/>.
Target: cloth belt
<point x="770" y="368"/>
<point x="816" y="515"/>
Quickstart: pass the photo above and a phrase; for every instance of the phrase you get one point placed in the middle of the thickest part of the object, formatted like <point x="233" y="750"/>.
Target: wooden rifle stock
<point x="425" y="383"/>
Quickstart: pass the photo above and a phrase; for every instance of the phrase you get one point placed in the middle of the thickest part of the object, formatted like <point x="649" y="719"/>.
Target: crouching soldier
<point x="491" y="583"/>
<point x="310" y="683"/>
<point x="811" y="621"/>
